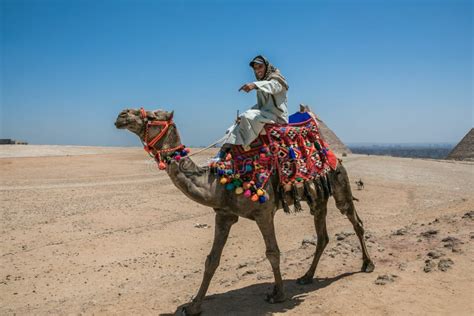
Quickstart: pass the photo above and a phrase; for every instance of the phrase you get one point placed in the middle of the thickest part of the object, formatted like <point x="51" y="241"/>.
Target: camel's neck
<point x="197" y="183"/>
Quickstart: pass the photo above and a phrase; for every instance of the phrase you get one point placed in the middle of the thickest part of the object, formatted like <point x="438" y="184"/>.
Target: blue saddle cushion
<point x="299" y="117"/>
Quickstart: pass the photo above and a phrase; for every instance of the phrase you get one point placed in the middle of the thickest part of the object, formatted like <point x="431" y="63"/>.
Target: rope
<point x="220" y="140"/>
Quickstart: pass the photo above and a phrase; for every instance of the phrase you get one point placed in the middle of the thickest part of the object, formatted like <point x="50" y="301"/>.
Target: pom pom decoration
<point x="177" y="157"/>
<point x="295" y="152"/>
<point x="162" y="165"/>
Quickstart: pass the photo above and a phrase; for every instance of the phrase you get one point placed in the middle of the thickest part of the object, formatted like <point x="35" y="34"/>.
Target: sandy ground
<point x="107" y="233"/>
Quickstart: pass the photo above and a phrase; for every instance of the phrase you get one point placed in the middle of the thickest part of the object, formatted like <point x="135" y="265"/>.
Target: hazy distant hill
<point x="434" y="151"/>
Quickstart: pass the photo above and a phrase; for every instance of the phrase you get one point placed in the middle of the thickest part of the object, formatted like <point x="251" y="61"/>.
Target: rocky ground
<point x="101" y="231"/>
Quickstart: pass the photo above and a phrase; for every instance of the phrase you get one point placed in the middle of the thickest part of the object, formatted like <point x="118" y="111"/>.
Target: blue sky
<point x="375" y="71"/>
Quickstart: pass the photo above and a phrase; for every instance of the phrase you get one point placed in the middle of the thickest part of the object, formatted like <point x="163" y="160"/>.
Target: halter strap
<point x="149" y="146"/>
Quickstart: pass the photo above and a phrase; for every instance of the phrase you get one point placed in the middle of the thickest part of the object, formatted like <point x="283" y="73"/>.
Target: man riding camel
<point x="271" y="105"/>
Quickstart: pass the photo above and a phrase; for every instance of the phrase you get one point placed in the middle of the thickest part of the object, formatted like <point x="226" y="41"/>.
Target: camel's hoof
<point x="275" y="298"/>
<point x="304" y="280"/>
<point x="190" y="311"/>
<point x="368" y="267"/>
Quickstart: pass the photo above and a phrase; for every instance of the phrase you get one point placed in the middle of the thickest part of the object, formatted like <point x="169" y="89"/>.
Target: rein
<point x="149" y="145"/>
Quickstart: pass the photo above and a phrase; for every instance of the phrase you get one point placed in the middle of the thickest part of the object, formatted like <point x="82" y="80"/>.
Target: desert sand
<point x="88" y="230"/>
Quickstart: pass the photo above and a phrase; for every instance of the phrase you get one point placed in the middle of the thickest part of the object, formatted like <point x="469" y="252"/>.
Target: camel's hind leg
<point x="342" y="192"/>
<point x="223" y="224"/>
<point x="319" y="211"/>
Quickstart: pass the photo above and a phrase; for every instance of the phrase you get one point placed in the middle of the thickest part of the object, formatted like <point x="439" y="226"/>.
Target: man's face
<point x="259" y="70"/>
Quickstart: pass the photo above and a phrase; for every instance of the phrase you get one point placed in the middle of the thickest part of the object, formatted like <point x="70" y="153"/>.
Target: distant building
<point x="8" y="141"/>
<point x="465" y="149"/>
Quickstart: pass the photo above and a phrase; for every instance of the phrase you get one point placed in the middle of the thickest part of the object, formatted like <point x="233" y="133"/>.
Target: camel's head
<point x="142" y="122"/>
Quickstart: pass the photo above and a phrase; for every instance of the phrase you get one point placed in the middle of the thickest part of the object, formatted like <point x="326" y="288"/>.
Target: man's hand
<point x="248" y="87"/>
<point x="237" y="120"/>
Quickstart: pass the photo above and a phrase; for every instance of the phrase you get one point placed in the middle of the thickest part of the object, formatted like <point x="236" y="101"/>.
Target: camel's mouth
<point x="121" y="123"/>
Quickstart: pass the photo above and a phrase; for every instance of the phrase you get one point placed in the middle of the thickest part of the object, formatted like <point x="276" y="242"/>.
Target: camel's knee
<point x="212" y="262"/>
<point x="323" y="240"/>
<point x="273" y="256"/>
<point x="358" y="225"/>
<point x="359" y="229"/>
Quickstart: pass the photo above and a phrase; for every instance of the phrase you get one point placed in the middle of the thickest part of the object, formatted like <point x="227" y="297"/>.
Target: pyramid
<point x="465" y="149"/>
<point x="335" y="144"/>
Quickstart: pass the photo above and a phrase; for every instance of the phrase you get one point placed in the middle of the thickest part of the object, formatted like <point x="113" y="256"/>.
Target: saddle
<point x="295" y="151"/>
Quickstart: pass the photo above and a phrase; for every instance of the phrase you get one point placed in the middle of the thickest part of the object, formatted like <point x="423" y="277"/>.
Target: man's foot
<point x="220" y="156"/>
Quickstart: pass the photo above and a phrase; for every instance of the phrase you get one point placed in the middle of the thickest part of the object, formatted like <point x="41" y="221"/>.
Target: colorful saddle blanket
<point x="295" y="151"/>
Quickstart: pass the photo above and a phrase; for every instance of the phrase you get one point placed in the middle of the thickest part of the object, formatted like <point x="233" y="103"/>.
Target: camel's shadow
<point x="249" y="300"/>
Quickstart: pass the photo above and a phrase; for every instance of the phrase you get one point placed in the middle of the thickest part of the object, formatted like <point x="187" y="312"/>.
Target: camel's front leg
<point x="320" y="224"/>
<point x="266" y="226"/>
<point x="222" y="227"/>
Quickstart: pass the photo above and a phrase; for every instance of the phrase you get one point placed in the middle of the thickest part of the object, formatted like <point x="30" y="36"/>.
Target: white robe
<point x="265" y="111"/>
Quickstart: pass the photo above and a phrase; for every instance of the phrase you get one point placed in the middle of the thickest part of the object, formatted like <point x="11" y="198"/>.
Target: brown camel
<point x="202" y="186"/>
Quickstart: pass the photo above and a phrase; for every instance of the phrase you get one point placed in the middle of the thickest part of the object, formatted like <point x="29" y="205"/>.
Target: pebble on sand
<point x="385" y="279"/>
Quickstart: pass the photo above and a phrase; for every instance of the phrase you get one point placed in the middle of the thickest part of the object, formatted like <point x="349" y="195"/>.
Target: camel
<point x="202" y="186"/>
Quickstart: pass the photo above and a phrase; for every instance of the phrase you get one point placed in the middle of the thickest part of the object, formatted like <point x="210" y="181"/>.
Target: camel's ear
<point x="150" y="115"/>
<point x="162" y="115"/>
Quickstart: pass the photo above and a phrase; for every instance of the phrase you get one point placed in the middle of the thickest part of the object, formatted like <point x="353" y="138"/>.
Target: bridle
<point x="149" y="145"/>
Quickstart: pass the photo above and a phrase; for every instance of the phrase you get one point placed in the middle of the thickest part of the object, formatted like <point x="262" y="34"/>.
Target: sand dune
<point x="101" y="231"/>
